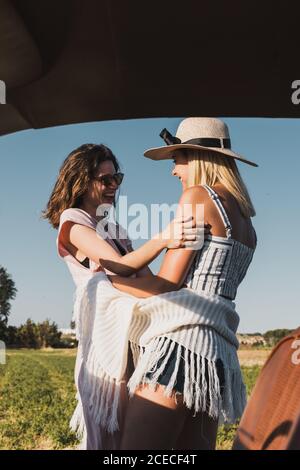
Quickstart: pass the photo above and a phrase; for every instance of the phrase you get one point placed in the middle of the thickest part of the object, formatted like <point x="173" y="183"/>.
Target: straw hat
<point x="197" y="133"/>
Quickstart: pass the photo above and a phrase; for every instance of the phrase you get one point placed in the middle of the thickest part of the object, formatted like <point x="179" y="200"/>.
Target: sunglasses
<point x="108" y="179"/>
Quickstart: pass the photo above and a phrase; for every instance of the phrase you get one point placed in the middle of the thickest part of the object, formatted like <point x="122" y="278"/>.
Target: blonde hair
<point x="208" y="167"/>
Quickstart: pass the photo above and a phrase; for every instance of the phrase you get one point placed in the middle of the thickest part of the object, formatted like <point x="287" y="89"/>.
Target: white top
<point x="79" y="272"/>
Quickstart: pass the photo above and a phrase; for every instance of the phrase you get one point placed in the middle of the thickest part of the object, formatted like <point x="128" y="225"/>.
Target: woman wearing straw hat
<point x="195" y="384"/>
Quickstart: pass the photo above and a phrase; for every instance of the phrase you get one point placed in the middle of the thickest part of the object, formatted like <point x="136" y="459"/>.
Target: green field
<point x="37" y="399"/>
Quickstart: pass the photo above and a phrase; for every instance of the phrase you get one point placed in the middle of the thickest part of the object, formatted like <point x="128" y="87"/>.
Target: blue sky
<point x="268" y="298"/>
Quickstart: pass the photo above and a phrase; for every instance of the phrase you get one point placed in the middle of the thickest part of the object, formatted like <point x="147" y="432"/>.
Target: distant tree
<point x="28" y="335"/>
<point x="11" y="337"/>
<point x="273" y="337"/>
<point x="48" y="334"/>
<point x="38" y="335"/>
<point x="43" y="329"/>
<point x="3" y="331"/>
<point x="8" y="292"/>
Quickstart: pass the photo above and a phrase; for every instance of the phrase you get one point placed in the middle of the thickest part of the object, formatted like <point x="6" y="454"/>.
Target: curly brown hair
<point x="75" y="174"/>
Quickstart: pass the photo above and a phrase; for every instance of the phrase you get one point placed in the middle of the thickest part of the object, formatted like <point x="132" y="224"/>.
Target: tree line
<point x="34" y="335"/>
<point x="30" y="334"/>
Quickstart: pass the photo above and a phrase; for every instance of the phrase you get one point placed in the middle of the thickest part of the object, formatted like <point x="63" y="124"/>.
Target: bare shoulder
<point x="193" y="194"/>
<point x="193" y="202"/>
<point x="71" y="229"/>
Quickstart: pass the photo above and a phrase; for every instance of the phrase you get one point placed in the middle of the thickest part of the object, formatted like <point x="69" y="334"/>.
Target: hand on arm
<point x="87" y="241"/>
<point x="176" y="263"/>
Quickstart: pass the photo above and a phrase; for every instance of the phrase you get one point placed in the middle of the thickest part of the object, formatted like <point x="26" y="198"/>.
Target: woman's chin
<point x="108" y="200"/>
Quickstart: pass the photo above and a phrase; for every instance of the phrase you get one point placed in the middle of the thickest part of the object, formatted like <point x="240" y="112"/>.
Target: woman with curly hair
<point x="85" y="188"/>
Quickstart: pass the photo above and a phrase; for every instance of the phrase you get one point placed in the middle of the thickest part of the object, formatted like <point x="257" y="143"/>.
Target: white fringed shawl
<point x="107" y="319"/>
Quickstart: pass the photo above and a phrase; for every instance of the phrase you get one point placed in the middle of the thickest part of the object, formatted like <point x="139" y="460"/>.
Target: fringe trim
<point x="227" y="407"/>
<point x="77" y="422"/>
<point x="99" y="391"/>
<point x="102" y="394"/>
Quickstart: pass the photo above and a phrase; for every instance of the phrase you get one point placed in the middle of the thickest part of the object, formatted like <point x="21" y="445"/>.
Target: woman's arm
<point x="176" y="263"/>
<point x="142" y="286"/>
<point x="145" y="271"/>
<point x="101" y="252"/>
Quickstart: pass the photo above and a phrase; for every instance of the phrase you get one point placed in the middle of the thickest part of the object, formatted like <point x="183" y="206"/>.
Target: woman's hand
<point x="183" y="232"/>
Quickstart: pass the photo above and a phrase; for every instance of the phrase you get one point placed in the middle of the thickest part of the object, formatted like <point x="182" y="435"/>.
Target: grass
<point x="226" y="433"/>
<point x="37" y="399"/>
